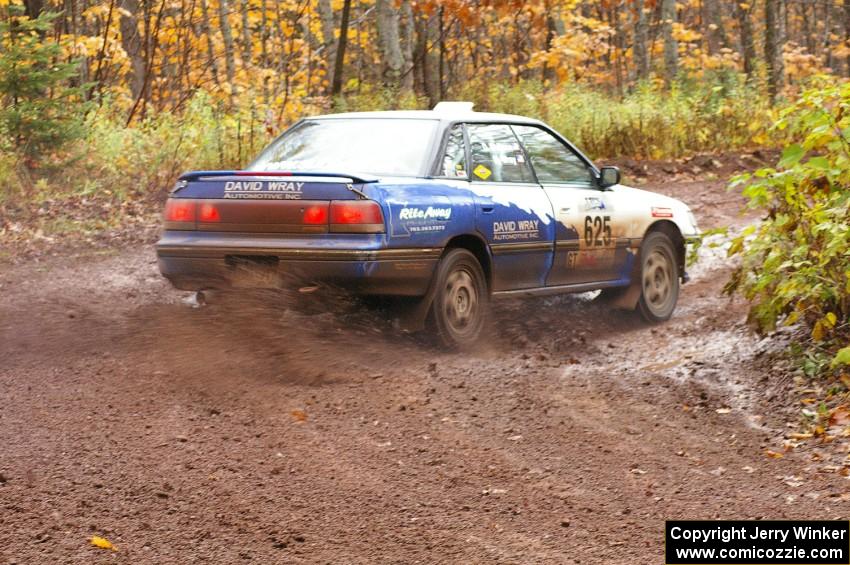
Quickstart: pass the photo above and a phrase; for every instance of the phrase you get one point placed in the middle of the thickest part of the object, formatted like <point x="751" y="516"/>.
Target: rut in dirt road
<point x="250" y="432"/>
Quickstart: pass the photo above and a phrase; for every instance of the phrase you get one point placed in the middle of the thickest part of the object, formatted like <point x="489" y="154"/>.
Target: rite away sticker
<point x="417" y="219"/>
<point x="482" y="172"/>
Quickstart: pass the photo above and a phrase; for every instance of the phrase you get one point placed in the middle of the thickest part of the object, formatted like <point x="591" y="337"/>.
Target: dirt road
<point x="248" y="432"/>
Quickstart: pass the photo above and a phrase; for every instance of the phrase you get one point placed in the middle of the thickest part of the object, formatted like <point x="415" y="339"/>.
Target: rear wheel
<point x="460" y="305"/>
<point x="659" y="276"/>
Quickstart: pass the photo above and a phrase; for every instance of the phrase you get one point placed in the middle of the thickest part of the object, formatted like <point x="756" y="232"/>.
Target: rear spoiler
<point x="195" y="175"/>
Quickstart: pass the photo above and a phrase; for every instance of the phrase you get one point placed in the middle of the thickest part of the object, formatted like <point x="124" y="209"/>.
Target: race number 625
<point x="597" y="231"/>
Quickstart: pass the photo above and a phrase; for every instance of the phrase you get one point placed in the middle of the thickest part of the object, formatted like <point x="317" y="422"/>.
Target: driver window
<point x="553" y="161"/>
<point x="496" y="154"/>
<point x="454" y="159"/>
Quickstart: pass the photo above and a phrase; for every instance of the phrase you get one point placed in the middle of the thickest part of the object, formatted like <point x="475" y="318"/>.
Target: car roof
<point x="450" y="113"/>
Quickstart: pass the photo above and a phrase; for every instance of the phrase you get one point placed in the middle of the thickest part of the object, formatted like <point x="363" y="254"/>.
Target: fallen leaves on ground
<point x="840" y="416"/>
<point x="102" y="543"/>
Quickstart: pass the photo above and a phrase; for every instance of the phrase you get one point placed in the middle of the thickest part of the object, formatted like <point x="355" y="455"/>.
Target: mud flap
<point x="412" y="318"/>
<point x="628" y="300"/>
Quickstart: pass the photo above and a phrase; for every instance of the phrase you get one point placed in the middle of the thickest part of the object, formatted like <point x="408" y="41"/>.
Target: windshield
<point x="389" y="146"/>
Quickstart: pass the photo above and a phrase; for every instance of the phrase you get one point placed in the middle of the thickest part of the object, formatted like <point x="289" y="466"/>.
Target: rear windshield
<point x="388" y="146"/>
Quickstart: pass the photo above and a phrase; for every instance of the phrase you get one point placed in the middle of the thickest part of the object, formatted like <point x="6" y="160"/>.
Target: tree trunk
<point x="713" y="23"/>
<point x="131" y="41"/>
<point x="392" y="60"/>
<point x="264" y="55"/>
<point x="641" y="54"/>
<point x="247" y="48"/>
<point x="313" y="45"/>
<point x="748" y="46"/>
<point x="336" y="88"/>
<point x="408" y="41"/>
<point x="33" y="8"/>
<point x="773" y="44"/>
<point x="227" y="36"/>
<point x="420" y="52"/>
<point x="425" y="59"/>
<point x="847" y="35"/>
<point x="547" y="73"/>
<point x="205" y="21"/>
<point x="808" y="32"/>
<point x="827" y="32"/>
<point x="441" y="40"/>
<point x="671" y="46"/>
<point x="326" y="17"/>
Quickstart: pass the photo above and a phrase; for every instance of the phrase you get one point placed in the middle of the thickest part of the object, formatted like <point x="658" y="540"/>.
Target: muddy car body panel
<point x="372" y="201"/>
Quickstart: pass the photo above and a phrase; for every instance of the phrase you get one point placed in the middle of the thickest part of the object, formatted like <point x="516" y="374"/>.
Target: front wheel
<point x="460" y="306"/>
<point x="659" y="277"/>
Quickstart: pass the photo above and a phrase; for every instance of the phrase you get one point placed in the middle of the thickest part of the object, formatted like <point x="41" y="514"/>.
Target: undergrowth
<point x="116" y="169"/>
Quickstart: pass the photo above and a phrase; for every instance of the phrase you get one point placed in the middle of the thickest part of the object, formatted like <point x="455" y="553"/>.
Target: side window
<point x="496" y="154"/>
<point x="553" y="161"/>
<point x="454" y="158"/>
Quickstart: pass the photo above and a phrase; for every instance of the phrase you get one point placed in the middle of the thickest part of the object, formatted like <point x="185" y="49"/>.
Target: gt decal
<point x="661" y="212"/>
<point x="591" y="258"/>
<point x="482" y="172"/>
<point x="597" y="231"/>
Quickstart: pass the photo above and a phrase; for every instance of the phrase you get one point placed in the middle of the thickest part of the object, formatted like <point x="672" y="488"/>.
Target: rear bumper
<point x="403" y="272"/>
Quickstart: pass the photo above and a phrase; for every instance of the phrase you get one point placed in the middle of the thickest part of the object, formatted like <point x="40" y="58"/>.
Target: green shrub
<point x="795" y="265"/>
<point x="143" y="161"/>
<point x="40" y="112"/>
<point x="719" y="113"/>
<point x="116" y="170"/>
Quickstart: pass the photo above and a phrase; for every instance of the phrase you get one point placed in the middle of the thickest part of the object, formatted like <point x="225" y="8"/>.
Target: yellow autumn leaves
<point x="102" y="543"/>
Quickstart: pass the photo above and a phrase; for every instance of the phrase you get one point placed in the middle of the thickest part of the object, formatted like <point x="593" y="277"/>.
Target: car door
<point x="586" y="227"/>
<point x="512" y="211"/>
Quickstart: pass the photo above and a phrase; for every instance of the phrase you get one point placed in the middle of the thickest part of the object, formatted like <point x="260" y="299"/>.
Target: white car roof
<point x="449" y="111"/>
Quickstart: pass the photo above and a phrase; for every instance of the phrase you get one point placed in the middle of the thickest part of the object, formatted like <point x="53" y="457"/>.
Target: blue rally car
<point x="440" y="210"/>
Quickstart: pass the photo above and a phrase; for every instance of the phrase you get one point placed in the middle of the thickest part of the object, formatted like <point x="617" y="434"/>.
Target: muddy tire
<point x="460" y="306"/>
<point x="659" y="278"/>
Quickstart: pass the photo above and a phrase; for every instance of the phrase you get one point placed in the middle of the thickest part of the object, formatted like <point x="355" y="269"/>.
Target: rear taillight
<point x="179" y="210"/>
<point x="360" y="216"/>
<point x="340" y="216"/>
<point x="208" y="213"/>
<point x="316" y="215"/>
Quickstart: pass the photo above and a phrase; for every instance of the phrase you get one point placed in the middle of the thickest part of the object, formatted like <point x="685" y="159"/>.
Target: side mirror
<point x="609" y="176"/>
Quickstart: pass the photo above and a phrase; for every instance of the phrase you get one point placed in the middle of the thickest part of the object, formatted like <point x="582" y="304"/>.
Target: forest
<point x="105" y="102"/>
<point x="648" y="65"/>
<point x="260" y="413"/>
